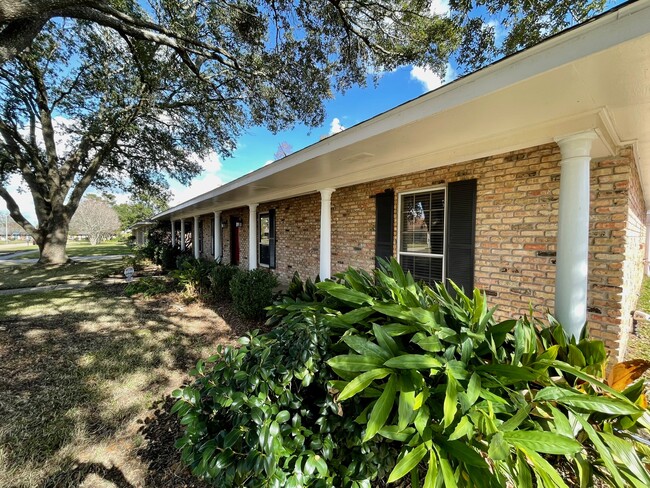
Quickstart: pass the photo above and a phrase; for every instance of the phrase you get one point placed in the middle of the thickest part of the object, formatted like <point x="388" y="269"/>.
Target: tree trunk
<point x="52" y="241"/>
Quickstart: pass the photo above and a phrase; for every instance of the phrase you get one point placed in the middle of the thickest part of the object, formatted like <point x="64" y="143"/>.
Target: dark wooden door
<point x="384" y="205"/>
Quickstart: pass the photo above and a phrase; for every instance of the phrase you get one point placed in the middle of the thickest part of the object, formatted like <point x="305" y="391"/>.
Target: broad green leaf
<point x="386" y="342"/>
<point x="550" y="354"/>
<point x="422" y="419"/>
<point x="428" y="343"/>
<point x="362" y="381"/>
<point x="600" y="404"/>
<point x="524" y="478"/>
<point x="406" y="412"/>
<point x="499" y="449"/>
<point x="552" y="393"/>
<point x="365" y="347"/>
<point x="413" y="361"/>
<point x="395" y="330"/>
<point x="407" y="463"/>
<point x="420" y="398"/>
<point x="561" y="422"/>
<point x="463" y="428"/>
<point x="515" y="421"/>
<point x="623" y="451"/>
<point x="432" y="472"/>
<point x="447" y="471"/>
<point x="464" y="453"/>
<point x="473" y="388"/>
<point x="510" y="373"/>
<point x="546" y="442"/>
<point x="356" y="315"/>
<point x="450" y="404"/>
<point x="394" y="433"/>
<point x="355" y="362"/>
<point x="544" y="468"/>
<point x="562" y="366"/>
<point x="344" y="294"/>
<point x="382" y="409"/>
<point x="575" y="357"/>
<point x="602" y="450"/>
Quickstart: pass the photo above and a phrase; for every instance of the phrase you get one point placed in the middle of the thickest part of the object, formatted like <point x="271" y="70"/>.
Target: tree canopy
<point x="123" y="94"/>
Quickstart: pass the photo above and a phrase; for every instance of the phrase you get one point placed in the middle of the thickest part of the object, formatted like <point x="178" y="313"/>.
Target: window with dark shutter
<point x="436" y="233"/>
<point x="267" y="239"/>
<point x="461" y="226"/>
<point x="384" y="217"/>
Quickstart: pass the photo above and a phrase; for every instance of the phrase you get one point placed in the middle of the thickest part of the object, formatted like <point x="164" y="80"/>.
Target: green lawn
<point x="30" y="275"/>
<point x="639" y="345"/>
<point x="81" y="374"/>
<point x="76" y="249"/>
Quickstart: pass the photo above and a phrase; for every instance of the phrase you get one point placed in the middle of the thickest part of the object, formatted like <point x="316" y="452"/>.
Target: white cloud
<point x="430" y="79"/>
<point x="336" y="126"/>
<point x="266" y="163"/>
<point x="439" y="7"/>
<point x="209" y="179"/>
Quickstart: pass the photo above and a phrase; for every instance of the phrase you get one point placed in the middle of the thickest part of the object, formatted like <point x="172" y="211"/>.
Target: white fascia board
<point x="603" y="32"/>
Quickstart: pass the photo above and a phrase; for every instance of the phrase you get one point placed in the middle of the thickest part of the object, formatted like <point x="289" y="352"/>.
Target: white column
<point x="252" y="236"/>
<point x="326" y="233"/>
<point x="217" y="234"/>
<point x="195" y="237"/>
<point x="573" y="232"/>
<point x="182" y="234"/>
<point x="173" y="233"/>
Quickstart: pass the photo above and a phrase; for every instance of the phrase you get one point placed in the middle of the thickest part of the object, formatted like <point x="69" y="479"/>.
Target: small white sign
<point x="128" y="273"/>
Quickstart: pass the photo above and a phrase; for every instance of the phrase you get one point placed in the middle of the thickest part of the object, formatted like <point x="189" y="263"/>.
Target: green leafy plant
<point x="193" y="275"/>
<point x="220" y="278"/>
<point x="407" y="380"/>
<point x="252" y="292"/>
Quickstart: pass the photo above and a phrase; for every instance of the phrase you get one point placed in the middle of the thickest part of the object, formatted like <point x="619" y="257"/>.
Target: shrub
<point x="252" y="292"/>
<point x="220" y="278"/>
<point x="193" y="275"/>
<point x="398" y="379"/>
<point x="167" y="256"/>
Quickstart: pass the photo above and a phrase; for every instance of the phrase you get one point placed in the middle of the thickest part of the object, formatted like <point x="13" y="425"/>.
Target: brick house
<point x="528" y="179"/>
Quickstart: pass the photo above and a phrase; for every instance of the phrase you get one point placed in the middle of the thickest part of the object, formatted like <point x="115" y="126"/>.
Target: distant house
<point x="528" y="179"/>
<point x="140" y="231"/>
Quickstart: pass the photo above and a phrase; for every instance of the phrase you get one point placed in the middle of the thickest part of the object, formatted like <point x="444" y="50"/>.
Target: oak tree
<point x="123" y="94"/>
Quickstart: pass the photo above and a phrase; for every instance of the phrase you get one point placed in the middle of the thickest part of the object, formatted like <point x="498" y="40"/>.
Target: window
<point x="267" y="239"/>
<point x="422" y="234"/>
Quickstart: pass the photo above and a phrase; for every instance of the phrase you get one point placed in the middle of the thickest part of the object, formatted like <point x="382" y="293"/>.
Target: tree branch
<point x="18" y="36"/>
<point x="16" y="214"/>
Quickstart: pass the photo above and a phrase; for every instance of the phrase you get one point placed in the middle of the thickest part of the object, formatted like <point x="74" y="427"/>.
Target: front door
<point x="234" y="241"/>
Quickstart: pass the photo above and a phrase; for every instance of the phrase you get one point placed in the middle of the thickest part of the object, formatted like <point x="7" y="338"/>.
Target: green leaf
<point x="575" y="357"/>
<point x="422" y="419"/>
<point x="600" y="404"/>
<point x="624" y="452"/>
<point x="355" y="362"/>
<point x="543" y="468"/>
<point x="473" y="388"/>
<point x="510" y="373"/>
<point x="394" y="433"/>
<point x="524" y="478"/>
<point x="362" y="381"/>
<point x="428" y="343"/>
<point x="407" y="463"/>
<point x="463" y="428"/>
<point x="386" y="342"/>
<point x="364" y="347"/>
<point x="357" y="315"/>
<point x="406" y="412"/>
<point x="432" y="472"/>
<point x="232" y="437"/>
<point x="413" y="361"/>
<point x="447" y="471"/>
<point x="602" y="450"/>
<point x="450" y="405"/>
<point x="499" y="449"/>
<point x="561" y="422"/>
<point x="344" y="294"/>
<point x="513" y="422"/>
<point x="546" y="442"/>
<point x="382" y="409"/>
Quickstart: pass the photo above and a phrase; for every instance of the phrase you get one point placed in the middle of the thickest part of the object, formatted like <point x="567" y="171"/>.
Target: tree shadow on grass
<point x="77" y="376"/>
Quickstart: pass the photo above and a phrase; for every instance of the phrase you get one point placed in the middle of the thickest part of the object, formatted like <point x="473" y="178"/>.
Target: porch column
<point x="573" y="232"/>
<point x="252" y="235"/>
<point x="217" y="234"/>
<point x="326" y="233"/>
<point x="182" y="234"/>
<point x="195" y="237"/>
<point x="173" y="233"/>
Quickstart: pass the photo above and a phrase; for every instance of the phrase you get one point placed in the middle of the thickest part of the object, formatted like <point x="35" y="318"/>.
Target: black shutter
<point x="272" y="238"/>
<point x="384" y="211"/>
<point x="461" y="226"/>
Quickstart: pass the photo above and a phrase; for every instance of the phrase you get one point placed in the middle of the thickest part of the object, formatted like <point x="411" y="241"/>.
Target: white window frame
<point x="444" y="231"/>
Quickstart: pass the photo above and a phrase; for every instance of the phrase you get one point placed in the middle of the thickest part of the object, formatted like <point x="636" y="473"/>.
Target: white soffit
<point x="595" y="76"/>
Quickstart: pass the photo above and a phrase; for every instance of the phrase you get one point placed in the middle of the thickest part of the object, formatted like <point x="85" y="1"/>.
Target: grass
<point x="79" y="372"/>
<point x="30" y="275"/>
<point x="79" y="249"/>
